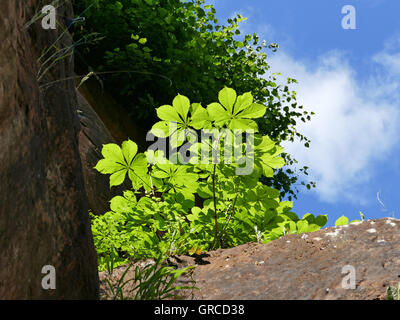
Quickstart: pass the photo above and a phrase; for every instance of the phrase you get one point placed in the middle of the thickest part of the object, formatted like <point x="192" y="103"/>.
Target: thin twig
<point x="215" y="209"/>
<point x="231" y="215"/>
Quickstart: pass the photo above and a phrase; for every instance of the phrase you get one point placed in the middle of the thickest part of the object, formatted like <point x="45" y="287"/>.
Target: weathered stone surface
<point x="302" y="267"/>
<point x="306" y="266"/>
<point x="92" y="136"/>
<point x="115" y="117"/>
<point x="43" y="206"/>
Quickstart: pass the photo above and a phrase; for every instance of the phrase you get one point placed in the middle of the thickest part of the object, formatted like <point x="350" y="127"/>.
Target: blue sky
<point x="351" y="80"/>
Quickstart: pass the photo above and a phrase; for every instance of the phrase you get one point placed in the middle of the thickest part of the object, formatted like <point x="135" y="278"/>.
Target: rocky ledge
<point x="356" y="261"/>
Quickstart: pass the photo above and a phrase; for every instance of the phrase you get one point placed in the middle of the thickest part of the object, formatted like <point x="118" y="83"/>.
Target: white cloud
<point x="356" y="123"/>
<point x="389" y="61"/>
<point x="389" y="58"/>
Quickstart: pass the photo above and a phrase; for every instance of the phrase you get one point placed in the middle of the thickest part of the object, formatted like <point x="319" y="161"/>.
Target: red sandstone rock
<point x="43" y="206"/>
<point x="302" y="267"/>
<point x="307" y="266"/>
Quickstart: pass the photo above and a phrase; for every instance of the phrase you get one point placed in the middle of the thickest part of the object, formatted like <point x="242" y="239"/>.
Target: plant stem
<point x="221" y="240"/>
<point x="215" y="210"/>
<point x="229" y="219"/>
<point x="152" y="187"/>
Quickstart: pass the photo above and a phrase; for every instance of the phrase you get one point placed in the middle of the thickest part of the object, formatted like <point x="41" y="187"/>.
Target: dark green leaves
<point x="154" y="49"/>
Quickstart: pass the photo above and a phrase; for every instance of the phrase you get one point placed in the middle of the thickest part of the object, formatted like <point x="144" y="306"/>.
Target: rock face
<point x="43" y="206"/>
<point x="115" y="118"/>
<point x="300" y="267"/>
<point x="307" y="266"/>
<point x="92" y="136"/>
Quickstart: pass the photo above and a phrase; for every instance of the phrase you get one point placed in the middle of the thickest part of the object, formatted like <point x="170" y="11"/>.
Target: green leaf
<point x="160" y="174"/>
<point x="253" y="111"/>
<point x="107" y="166"/>
<point x="342" y="221"/>
<point x="129" y="149"/>
<point x="168" y="113"/>
<point x="182" y="105"/>
<point x="321" y="220"/>
<point x="161" y="129"/>
<point x="112" y="152"/>
<point x="265" y="144"/>
<point x="119" y="204"/>
<point x="139" y="164"/>
<point x="200" y="118"/>
<point x="243" y="102"/>
<point x="194" y="107"/>
<point x="117" y="178"/>
<point x="217" y="112"/>
<point x="155" y="157"/>
<point x="227" y="98"/>
<point x="243" y="124"/>
<point x="138" y="174"/>
<point x="118" y="161"/>
<point x="302" y="226"/>
<point x="273" y="162"/>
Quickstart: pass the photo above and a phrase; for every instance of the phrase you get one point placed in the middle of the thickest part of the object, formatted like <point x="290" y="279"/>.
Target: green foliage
<point x="342" y="221"/>
<point x="361" y="216"/>
<point x="155" y="281"/>
<point x="178" y="207"/>
<point x="150" y="50"/>
<point x="393" y="293"/>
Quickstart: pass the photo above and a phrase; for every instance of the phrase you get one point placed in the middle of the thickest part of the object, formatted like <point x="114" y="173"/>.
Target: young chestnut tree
<point x="162" y="214"/>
